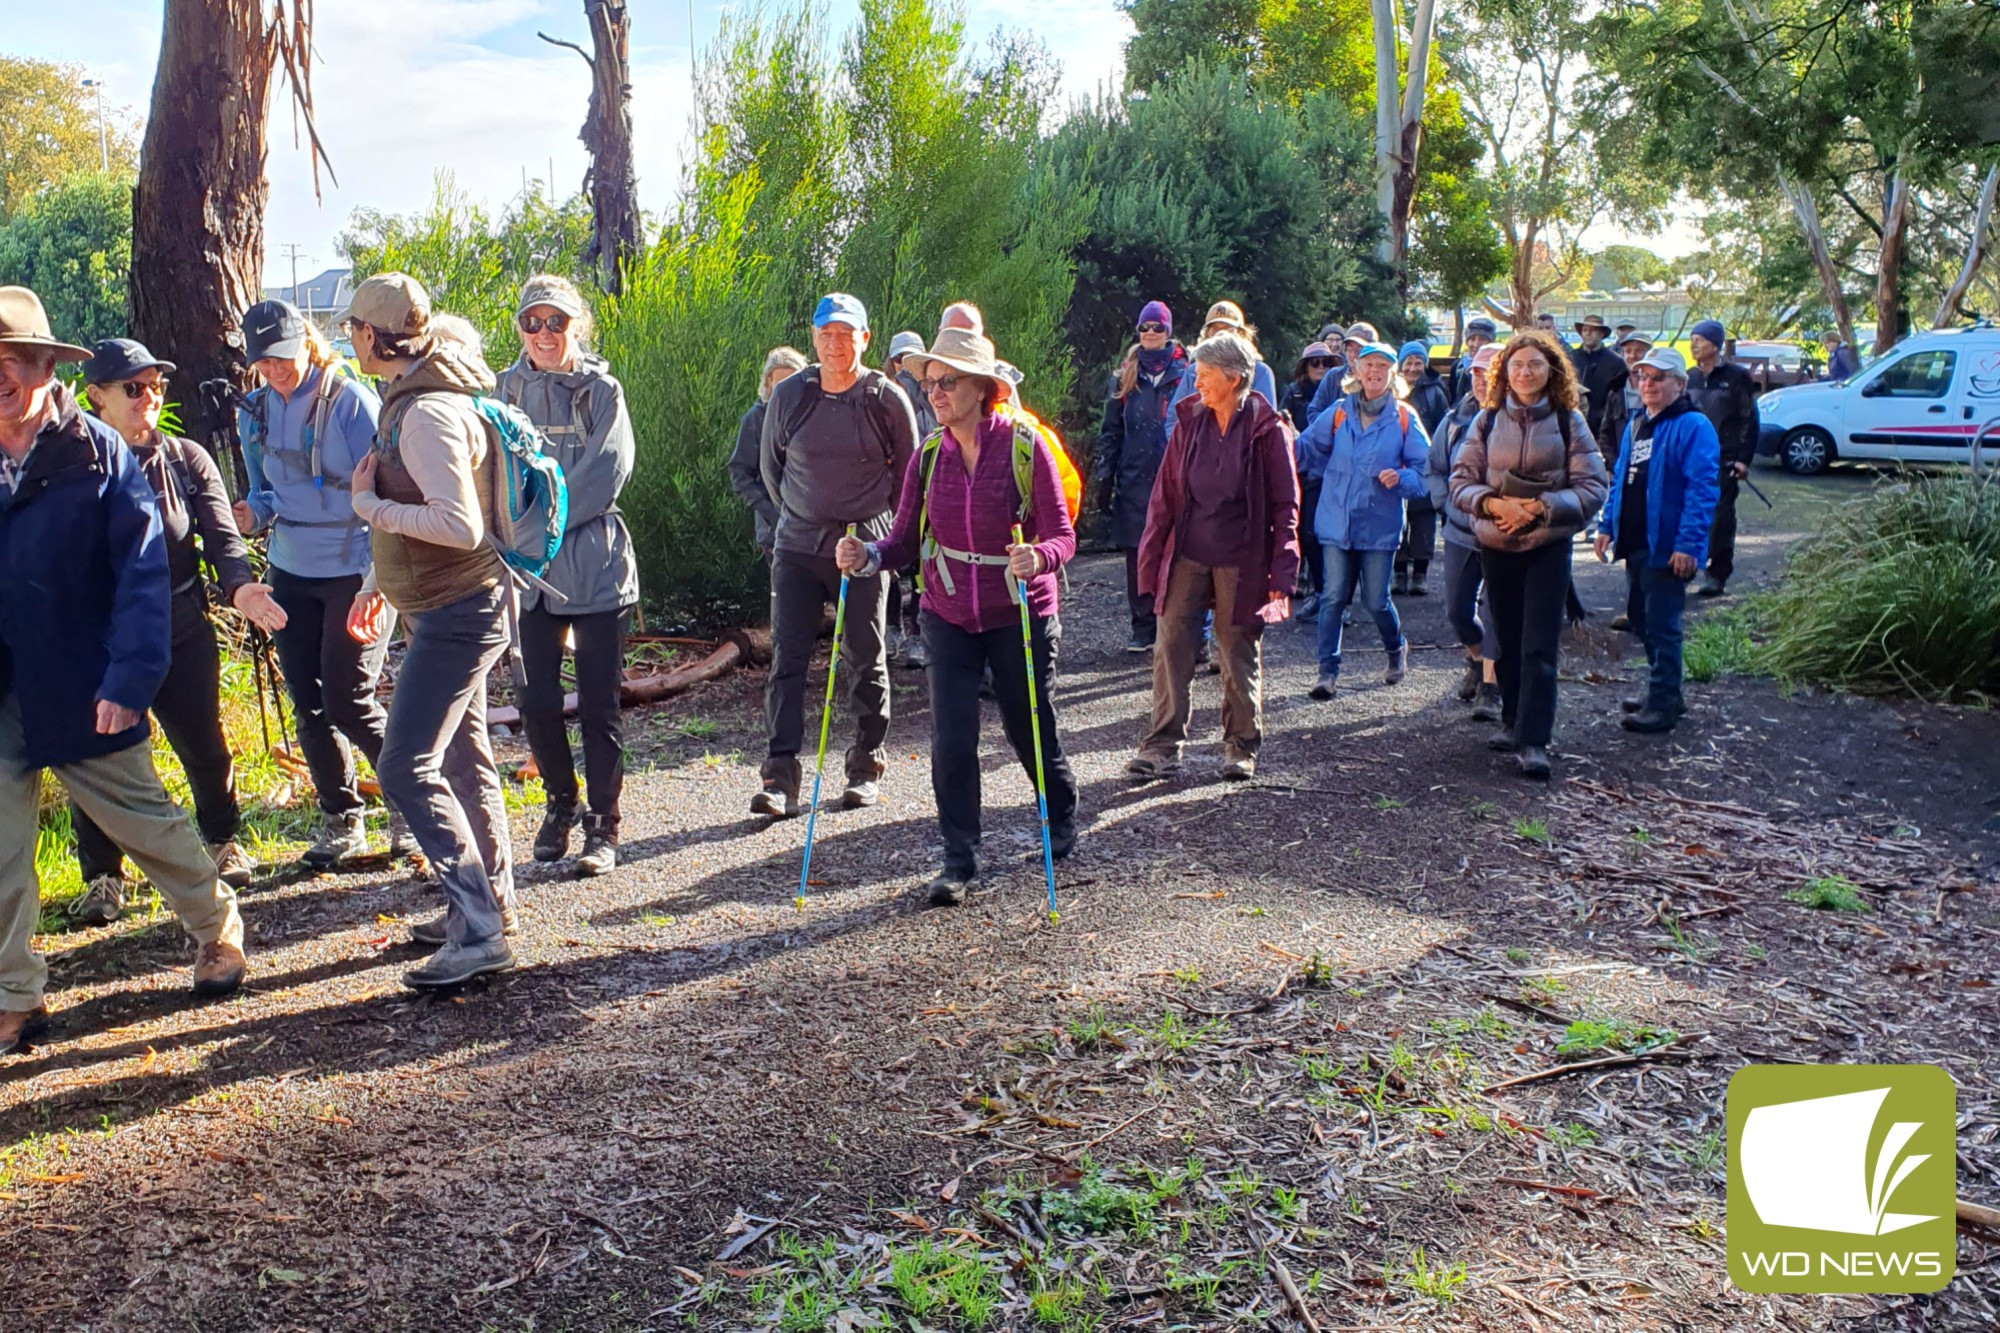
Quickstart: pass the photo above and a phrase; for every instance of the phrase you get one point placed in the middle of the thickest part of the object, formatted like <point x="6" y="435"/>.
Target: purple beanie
<point x="1157" y="310"/>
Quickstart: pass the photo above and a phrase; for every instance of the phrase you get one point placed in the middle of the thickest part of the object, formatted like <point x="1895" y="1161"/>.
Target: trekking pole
<point x="257" y="683"/>
<point x="1759" y="494"/>
<point x="1035" y="728"/>
<point x="825" y="720"/>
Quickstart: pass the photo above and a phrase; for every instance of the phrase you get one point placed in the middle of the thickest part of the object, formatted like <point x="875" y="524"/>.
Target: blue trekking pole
<point x="825" y="720"/>
<point x="1035" y="726"/>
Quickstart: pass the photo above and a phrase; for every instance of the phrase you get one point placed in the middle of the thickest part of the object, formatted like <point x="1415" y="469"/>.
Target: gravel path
<point x="682" y="1052"/>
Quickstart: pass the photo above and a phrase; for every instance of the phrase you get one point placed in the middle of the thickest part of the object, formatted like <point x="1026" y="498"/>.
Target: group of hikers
<point x="925" y="500"/>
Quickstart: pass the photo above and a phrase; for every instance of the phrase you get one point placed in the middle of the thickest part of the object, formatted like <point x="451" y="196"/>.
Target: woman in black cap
<point x="127" y="387"/>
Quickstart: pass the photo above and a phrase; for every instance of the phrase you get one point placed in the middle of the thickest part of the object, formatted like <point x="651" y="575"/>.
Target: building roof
<point x="324" y="293"/>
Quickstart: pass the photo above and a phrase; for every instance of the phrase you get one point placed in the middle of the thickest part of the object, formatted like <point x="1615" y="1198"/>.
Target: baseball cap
<point x="1363" y="332"/>
<point x="557" y="295"/>
<point x="1667" y="359"/>
<point x="1486" y="356"/>
<point x="391" y="302"/>
<point x="840" y="308"/>
<point x="270" y="328"/>
<point x="1382" y="350"/>
<point x="1636" y="337"/>
<point x="1482" y="325"/>
<point x="904" y="343"/>
<point x="115" y="359"/>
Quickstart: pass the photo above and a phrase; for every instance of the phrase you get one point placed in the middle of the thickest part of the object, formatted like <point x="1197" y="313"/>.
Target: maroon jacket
<point x="1272" y="487"/>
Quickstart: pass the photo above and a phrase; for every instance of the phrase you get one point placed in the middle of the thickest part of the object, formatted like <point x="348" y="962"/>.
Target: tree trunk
<point x="1889" y="265"/>
<point x="1386" y="110"/>
<point x="198" y="209"/>
<point x="1806" y="209"/>
<point x="1521" y="280"/>
<point x="607" y="132"/>
<point x="1975" y="251"/>
<point x="1409" y="141"/>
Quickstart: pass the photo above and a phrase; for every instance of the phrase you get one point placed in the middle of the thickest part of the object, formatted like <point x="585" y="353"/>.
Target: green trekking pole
<point x="1035" y="726"/>
<point x="825" y="721"/>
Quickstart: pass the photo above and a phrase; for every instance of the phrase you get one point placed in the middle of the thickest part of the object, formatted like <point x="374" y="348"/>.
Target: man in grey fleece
<point x="837" y="440"/>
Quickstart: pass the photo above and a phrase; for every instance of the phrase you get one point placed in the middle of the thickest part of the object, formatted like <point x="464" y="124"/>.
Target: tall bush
<point x="72" y="243"/>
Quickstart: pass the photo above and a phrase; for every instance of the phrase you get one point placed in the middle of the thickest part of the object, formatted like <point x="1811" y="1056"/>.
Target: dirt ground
<point x="1257" y="1051"/>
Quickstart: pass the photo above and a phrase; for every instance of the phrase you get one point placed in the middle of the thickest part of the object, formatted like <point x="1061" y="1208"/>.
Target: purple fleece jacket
<point x="977" y="513"/>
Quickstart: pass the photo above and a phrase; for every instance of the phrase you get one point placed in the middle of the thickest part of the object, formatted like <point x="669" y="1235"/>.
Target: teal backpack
<point x="530" y="497"/>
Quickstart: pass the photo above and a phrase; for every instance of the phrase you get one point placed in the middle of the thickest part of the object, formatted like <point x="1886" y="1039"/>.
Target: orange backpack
<point x="1072" y="480"/>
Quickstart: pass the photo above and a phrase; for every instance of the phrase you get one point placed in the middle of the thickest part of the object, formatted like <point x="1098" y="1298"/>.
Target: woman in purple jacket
<point x="962" y="495"/>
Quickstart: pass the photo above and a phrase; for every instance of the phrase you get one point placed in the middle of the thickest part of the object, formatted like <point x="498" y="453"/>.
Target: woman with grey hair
<point x="571" y="395"/>
<point x="1221" y="535"/>
<point x="744" y="477"/>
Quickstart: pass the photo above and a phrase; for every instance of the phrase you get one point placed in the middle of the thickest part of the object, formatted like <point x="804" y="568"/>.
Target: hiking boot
<point x="860" y="794"/>
<point x="1487" y="709"/>
<point x="340" y="837"/>
<point x="949" y="888"/>
<point x="775" y="801"/>
<point x="102" y="903"/>
<point x="1399" y="666"/>
<point x="1062" y="839"/>
<point x="1504" y="742"/>
<point x="1678" y="708"/>
<point x="1633" y="705"/>
<point x="218" y="970"/>
<point x="19" y="1028"/>
<point x="1306" y="609"/>
<point x="1534" y="762"/>
<point x="1420" y="581"/>
<point x="1710" y="586"/>
<point x="1401" y="587"/>
<point x="1152" y="765"/>
<point x="1327" y="686"/>
<point x="914" y="656"/>
<point x="558" y="818"/>
<point x="1240" y="770"/>
<point x="232" y="865"/>
<point x="456" y="964"/>
<point x="430" y="932"/>
<point x="1621" y="621"/>
<point x="600" y="848"/>
<point x="1138" y="643"/>
<point x="402" y="842"/>
<point x="1468" y="685"/>
<point x="1650" y="721"/>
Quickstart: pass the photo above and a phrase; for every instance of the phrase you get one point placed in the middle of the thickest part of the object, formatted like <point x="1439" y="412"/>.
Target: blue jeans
<point x="1344" y="569"/>
<point x="1654" y="601"/>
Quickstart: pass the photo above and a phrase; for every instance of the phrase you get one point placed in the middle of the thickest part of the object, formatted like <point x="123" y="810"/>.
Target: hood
<point x="588" y="367"/>
<point x="444" y="369"/>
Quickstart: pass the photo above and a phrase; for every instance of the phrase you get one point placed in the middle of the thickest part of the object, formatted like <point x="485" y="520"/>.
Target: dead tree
<point x="198" y="209"/>
<point x="611" y="182"/>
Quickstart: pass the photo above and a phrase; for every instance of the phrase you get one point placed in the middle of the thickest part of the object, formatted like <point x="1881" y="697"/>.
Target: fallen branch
<point x="1573" y="1191"/>
<point x="1607" y="1062"/>
<point x="1977" y="1217"/>
<point x="1291" y="1290"/>
<point x="741" y="648"/>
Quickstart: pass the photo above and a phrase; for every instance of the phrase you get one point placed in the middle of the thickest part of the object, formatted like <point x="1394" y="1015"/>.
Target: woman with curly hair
<point x="1530" y="477"/>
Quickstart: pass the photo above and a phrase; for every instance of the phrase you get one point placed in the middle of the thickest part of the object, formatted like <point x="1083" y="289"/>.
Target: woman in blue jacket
<point x="1368" y="455"/>
<point x="304" y="430"/>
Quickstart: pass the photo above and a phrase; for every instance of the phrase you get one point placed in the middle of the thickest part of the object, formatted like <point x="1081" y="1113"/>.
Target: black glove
<point x="1106" y="497"/>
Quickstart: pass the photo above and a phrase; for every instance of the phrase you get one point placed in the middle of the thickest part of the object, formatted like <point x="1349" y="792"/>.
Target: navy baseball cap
<point x="840" y="308"/>
<point x="273" y="328"/>
<point x="115" y="359"/>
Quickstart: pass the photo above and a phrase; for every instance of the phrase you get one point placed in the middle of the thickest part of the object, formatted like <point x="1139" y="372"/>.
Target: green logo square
<point x="1842" y="1178"/>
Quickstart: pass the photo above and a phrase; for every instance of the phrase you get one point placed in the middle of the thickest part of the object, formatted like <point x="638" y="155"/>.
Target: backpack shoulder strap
<point x="1403" y="416"/>
<point x="1563" y="428"/>
<point x="1483" y="423"/>
<point x="1024" y="466"/>
<point x="809" y="401"/>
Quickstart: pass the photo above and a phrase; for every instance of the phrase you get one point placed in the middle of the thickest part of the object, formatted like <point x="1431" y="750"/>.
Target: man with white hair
<point x="85" y="635"/>
<point x="1656" y="520"/>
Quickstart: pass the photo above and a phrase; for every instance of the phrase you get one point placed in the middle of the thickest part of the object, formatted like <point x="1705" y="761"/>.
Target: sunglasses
<point x="1152" y="326"/>
<point x="137" y="389"/>
<point x="555" y="323"/>
<point x="1319" y="362"/>
<point x="946" y="384"/>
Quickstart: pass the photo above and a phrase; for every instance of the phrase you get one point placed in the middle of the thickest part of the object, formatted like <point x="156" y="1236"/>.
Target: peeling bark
<point x="611" y="182"/>
<point x="1975" y="251"/>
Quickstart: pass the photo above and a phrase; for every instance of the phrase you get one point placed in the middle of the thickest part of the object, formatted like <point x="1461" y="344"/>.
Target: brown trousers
<point x="1192" y="591"/>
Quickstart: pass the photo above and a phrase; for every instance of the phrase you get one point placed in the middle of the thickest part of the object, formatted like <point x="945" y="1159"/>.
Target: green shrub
<point x="1719" y="643"/>
<point x="1830" y="893"/>
<point x="1898" y="593"/>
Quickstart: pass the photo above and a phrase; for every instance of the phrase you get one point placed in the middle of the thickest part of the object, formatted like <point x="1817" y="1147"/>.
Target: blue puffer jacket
<point x="85" y="612"/>
<point x="1356" y="511"/>
<point x="1681" y="484"/>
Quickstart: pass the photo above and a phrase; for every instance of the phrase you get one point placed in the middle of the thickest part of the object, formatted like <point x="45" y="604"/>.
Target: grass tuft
<point x="1830" y="893"/>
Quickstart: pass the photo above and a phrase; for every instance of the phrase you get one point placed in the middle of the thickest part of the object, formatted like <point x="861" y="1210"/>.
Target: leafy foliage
<point x="72" y="243"/>
<point x="50" y="131"/>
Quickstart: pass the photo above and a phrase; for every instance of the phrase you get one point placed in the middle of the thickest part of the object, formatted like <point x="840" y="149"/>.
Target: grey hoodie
<point x="582" y="415"/>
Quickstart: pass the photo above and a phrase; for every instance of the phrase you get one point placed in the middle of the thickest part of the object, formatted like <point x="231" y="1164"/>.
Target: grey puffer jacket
<point x="582" y="414"/>
<point x="1520" y="453"/>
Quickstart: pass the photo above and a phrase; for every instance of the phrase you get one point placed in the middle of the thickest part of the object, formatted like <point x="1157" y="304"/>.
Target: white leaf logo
<point x="1805" y="1164"/>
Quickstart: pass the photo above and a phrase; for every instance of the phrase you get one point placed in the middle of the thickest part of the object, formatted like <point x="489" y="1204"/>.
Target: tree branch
<point x="557" y="41"/>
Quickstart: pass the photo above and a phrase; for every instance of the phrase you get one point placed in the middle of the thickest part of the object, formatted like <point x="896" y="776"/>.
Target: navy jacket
<point x="1682" y="483"/>
<point x="1129" y="445"/>
<point x="85" y="611"/>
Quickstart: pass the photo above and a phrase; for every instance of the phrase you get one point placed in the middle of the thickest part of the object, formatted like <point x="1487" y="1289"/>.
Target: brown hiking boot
<point x="19" y="1027"/>
<point x="218" y="971"/>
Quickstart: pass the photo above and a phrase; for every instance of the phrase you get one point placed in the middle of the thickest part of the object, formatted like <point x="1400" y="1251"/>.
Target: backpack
<point x="874" y="405"/>
<point x="1024" y="436"/>
<point x="324" y="393"/>
<point x="1072" y="480"/>
<point x="1402" y="416"/>
<point x="530" y="497"/>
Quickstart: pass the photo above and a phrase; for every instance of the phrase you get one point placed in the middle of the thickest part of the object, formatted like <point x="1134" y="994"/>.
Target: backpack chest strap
<point x="938" y="555"/>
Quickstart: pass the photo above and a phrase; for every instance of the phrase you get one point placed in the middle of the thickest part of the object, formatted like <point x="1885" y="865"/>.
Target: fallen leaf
<point x="65" y="1178"/>
<point x="950" y="1191"/>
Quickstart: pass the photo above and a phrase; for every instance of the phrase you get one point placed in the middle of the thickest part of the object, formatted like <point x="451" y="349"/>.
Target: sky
<point x="406" y="89"/>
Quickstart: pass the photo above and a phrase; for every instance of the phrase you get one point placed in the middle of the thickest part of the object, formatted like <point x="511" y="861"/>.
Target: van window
<point x="1922" y="375"/>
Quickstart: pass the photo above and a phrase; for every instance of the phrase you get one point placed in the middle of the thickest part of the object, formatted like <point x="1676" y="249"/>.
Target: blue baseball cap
<point x="115" y="359"/>
<point x="1383" y="350"/>
<point x="840" y="308"/>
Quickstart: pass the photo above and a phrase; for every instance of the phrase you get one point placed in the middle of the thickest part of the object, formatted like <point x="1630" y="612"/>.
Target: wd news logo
<point x="1842" y="1178"/>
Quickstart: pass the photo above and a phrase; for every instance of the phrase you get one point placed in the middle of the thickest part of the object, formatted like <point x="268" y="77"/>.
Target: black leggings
<point x="188" y="710"/>
<point x="600" y="669"/>
<point x="331" y="679"/>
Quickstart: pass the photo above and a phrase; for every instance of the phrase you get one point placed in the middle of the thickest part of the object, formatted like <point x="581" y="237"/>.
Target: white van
<point x="1920" y="402"/>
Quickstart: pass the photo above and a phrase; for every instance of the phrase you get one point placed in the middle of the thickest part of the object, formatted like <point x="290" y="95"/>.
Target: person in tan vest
<point x="426" y="492"/>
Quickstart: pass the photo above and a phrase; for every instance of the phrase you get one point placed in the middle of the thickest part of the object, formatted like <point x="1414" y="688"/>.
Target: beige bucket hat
<point x="961" y="350"/>
<point x="24" y="323"/>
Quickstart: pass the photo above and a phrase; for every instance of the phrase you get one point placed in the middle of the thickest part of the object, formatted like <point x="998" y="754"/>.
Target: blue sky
<point x="408" y="88"/>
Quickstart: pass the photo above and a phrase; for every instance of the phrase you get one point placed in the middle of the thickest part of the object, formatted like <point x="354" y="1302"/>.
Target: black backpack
<point x="874" y="403"/>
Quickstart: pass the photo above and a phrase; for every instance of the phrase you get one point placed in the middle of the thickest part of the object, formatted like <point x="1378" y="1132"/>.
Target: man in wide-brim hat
<point x="1600" y="370"/>
<point x="85" y="629"/>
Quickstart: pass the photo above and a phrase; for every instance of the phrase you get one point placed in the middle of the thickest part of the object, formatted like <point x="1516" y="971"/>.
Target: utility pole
<point x="292" y="252"/>
<point x="103" y="144"/>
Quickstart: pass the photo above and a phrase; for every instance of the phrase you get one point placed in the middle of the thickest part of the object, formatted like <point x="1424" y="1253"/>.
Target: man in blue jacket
<point x="1656" y="520"/>
<point x="85" y="626"/>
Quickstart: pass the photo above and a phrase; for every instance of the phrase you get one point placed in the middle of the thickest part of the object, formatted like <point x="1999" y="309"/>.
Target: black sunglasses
<point x="137" y="389"/>
<point x="1320" y="362"/>
<point x="942" y="384"/>
<point x="1152" y="326"/>
<point x="555" y="323"/>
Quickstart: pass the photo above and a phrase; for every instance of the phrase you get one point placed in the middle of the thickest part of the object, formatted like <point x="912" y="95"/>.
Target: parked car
<point x="1920" y="402"/>
<point x="1775" y="365"/>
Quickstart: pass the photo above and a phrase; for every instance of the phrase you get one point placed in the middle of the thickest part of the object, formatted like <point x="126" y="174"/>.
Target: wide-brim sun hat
<point x="1593" y="322"/>
<point x="24" y="323"/>
<point x="961" y="350"/>
<point x="1318" y="349"/>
